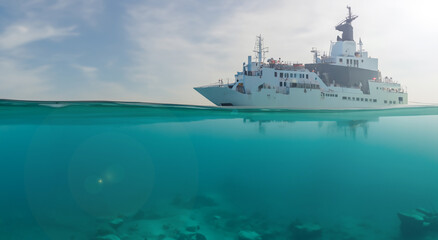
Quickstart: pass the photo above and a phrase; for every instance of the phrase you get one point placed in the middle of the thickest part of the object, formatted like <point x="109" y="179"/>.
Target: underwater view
<point x="114" y="170"/>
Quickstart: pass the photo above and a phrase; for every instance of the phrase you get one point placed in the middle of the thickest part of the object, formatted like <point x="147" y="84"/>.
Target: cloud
<point x="48" y="10"/>
<point x="85" y="69"/>
<point x="20" y="82"/>
<point x="89" y="72"/>
<point x="172" y="49"/>
<point x="88" y="10"/>
<point x="18" y="35"/>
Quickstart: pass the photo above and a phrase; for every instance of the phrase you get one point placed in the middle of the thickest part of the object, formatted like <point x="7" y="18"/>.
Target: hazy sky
<point x="157" y="51"/>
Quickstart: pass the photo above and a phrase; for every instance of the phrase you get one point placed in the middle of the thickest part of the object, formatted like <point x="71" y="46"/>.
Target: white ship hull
<point x="298" y="98"/>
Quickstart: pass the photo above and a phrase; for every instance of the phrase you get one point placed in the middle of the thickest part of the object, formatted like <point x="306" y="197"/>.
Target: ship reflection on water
<point x="348" y="127"/>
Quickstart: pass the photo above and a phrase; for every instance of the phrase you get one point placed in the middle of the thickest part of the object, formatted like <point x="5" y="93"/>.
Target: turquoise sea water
<point x="69" y="168"/>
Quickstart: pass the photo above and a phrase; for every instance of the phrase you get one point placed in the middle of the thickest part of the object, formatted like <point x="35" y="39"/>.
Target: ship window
<point x="348" y="61"/>
<point x="349" y="98"/>
<point x="281" y="75"/>
<point x="281" y="84"/>
<point x="295" y="75"/>
<point x="361" y="99"/>
<point x="374" y="100"/>
<point x="336" y="95"/>
<point x="294" y="85"/>
<point x="366" y="99"/>
<point x="340" y="60"/>
<point x="385" y="101"/>
<point x="362" y="60"/>
<point x="344" y="98"/>
<point x="307" y="76"/>
<point x="287" y="75"/>
<point x="275" y="74"/>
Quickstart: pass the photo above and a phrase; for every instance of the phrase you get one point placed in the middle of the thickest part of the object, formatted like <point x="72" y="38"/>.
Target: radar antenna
<point x="345" y="27"/>
<point x="260" y="50"/>
<point x="350" y="18"/>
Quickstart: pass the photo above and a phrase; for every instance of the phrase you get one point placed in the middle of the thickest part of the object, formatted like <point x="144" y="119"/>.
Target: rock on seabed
<point x="249" y="235"/>
<point x="109" y="237"/>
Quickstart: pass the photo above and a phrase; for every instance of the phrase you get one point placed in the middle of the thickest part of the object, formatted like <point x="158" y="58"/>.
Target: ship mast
<point x="345" y="27"/>
<point x="260" y="50"/>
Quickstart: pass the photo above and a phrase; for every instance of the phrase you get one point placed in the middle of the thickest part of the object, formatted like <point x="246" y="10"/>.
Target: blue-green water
<point x="67" y="169"/>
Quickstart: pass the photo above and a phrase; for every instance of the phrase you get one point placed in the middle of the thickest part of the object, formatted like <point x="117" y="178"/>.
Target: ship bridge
<point x="345" y="66"/>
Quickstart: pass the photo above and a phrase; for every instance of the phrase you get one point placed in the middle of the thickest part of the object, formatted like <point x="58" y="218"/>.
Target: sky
<point x="157" y="51"/>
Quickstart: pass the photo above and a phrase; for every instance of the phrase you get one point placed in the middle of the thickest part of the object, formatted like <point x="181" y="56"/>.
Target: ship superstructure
<point x="347" y="78"/>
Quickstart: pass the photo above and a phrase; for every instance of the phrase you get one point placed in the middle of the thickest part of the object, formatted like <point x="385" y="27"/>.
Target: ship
<point x="346" y="78"/>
